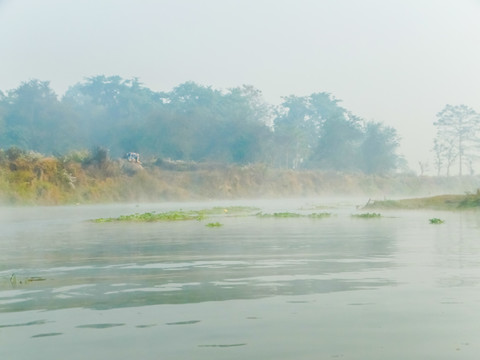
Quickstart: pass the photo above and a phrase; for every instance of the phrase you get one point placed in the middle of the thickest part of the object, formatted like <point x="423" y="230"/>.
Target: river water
<point x="395" y="287"/>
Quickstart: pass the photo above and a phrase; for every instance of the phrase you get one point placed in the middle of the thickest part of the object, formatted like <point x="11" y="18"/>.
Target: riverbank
<point x="33" y="179"/>
<point x="439" y="202"/>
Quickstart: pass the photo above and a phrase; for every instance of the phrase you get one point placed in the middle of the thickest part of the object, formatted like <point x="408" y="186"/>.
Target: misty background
<point x="394" y="62"/>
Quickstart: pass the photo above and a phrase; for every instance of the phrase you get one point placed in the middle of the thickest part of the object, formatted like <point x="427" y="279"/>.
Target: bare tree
<point x="424" y="167"/>
<point x="445" y="155"/>
<point x="457" y="127"/>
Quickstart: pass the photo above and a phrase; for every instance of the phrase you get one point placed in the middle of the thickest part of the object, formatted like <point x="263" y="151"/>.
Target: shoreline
<point x="39" y="180"/>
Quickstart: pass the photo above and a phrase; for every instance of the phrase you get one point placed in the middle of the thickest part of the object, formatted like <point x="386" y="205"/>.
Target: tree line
<point x="197" y="123"/>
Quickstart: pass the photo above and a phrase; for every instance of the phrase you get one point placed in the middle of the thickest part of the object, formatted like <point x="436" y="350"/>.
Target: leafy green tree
<point x="337" y="147"/>
<point x="203" y="124"/>
<point x="113" y="111"/>
<point x="35" y="119"/>
<point x="457" y="129"/>
<point x="296" y="129"/>
<point x="244" y="125"/>
<point x="315" y="131"/>
<point x="193" y="122"/>
<point x="378" y="150"/>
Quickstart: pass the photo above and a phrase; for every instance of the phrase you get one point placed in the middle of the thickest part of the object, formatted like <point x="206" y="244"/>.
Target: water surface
<point x="339" y="287"/>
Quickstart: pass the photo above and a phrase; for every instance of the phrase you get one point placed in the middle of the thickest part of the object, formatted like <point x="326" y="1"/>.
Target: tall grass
<point x="80" y="177"/>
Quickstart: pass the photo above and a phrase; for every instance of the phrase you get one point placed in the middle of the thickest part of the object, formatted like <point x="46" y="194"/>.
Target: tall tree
<point x="201" y="123"/>
<point x="247" y="130"/>
<point x="113" y="110"/>
<point x="337" y="147"/>
<point x="378" y="149"/>
<point x="298" y="125"/>
<point x="445" y="154"/>
<point x="457" y="129"/>
<point x="34" y="119"/>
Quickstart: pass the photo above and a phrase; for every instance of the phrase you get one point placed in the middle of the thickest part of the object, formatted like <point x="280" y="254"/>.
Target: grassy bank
<point x="81" y="177"/>
<point x="440" y="202"/>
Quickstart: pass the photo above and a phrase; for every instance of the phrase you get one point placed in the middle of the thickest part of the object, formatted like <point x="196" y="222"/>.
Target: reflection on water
<point x="255" y="287"/>
<point x="100" y="266"/>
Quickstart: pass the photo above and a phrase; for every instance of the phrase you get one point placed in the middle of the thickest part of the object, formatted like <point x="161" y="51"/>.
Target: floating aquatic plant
<point x="319" y="215"/>
<point x="293" y="215"/>
<point x="436" y="221"/>
<point x="280" y="215"/>
<point x="214" y="224"/>
<point x="152" y="216"/>
<point x="182" y="215"/>
<point x="204" y="213"/>
<point x="367" y="215"/>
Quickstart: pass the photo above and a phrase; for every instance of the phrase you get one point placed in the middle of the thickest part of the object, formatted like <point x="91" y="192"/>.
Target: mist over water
<point x="390" y="287"/>
<point x="230" y="103"/>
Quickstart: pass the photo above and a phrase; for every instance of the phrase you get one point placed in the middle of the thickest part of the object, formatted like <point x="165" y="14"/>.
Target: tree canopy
<point x="196" y="123"/>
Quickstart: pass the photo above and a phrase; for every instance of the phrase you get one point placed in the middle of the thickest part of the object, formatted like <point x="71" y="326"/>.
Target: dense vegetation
<point x="195" y="123"/>
<point x="197" y="142"/>
<point x="28" y="177"/>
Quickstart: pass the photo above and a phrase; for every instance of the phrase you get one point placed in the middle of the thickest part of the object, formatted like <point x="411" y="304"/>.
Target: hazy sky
<point x="394" y="61"/>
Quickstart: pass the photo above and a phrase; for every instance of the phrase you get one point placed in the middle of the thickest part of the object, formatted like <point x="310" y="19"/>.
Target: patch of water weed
<point x="319" y="215"/>
<point x="188" y="322"/>
<point x="100" y="326"/>
<point x="367" y="215"/>
<point x="47" y="334"/>
<point x="180" y="215"/>
<point x="144" y="326"/>
<point x="213" y="224"/>
<point x="153" y="216"/>
<point x="436" y="221"/>
<point x="30" y="323"/>
<point x="293" y="215"/>
<point x="280" y="215"/>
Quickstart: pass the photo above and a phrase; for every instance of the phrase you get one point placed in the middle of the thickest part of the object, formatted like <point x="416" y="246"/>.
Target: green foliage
<point x="439" y="202"/>
<point x="470" y="201"/>
<point x="99" y="155"/>
<point x="337" y="147"/>
<point x="192" y="123"/>
<point x="34" y="119"/>
<point x="77" y="156"/>
<point x="35" y="179"/>
<point x="153" y="217"/>
<point x="14" y="153"/>
<point x="367" y="215"/>
<point x="319" y="215"/>
<point x="213" y="224"/>
<point x="436" y="221"/>
<point x="293" y="215"/>
<point x="315" y="132"/>
<point x="280" y="215"/>
<point x="378" y="149"/>
<point x="181" y="215"/>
